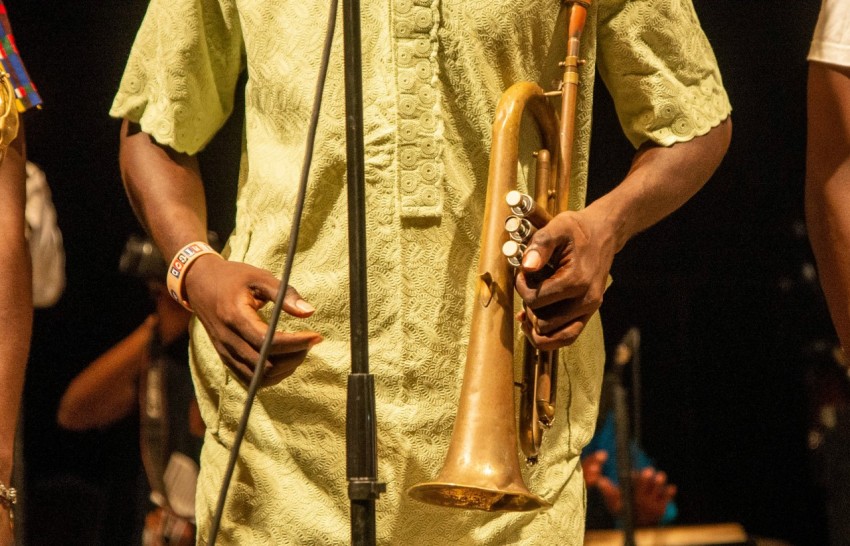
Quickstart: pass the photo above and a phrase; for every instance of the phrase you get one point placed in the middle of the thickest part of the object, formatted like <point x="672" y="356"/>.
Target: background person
<point x="828" y="159"/>
<point x="15" y="266"/>
<point x="147" y="374"/>
<point x="653" y="495"/>
<point x="828" y="222"/>
<point x="47" y="255"/>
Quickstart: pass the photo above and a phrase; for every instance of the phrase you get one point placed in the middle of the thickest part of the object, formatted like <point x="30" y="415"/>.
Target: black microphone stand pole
<point x="361" y="434"/>
<point x="626" y="352"/>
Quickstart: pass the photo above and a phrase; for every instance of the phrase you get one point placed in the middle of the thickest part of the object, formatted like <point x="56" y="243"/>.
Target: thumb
<point x="541" y="247"/>
<point x="265" y="287"/>
<point x="534" y="258"/>
<point x="295" y="305"/>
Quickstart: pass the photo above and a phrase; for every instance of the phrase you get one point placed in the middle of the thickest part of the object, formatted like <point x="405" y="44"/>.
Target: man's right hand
<point x="167" y="193"/>
<point x="226" y="296"/>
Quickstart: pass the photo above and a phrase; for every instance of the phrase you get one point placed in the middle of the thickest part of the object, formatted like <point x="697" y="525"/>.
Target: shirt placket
<point x="419" y="139"/>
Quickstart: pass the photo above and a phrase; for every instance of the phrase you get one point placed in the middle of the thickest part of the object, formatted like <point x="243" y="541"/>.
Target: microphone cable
<point x="259" y="369"/>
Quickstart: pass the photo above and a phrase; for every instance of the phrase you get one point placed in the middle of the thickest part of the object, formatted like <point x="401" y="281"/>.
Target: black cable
<point x="259" y="369"/>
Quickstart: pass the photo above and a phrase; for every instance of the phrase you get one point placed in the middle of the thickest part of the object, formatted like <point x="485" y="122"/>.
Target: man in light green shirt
<point x="433" y="71"/>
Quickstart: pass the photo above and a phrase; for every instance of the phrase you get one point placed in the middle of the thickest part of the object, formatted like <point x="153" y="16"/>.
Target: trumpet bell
<point x="514" y="498"/>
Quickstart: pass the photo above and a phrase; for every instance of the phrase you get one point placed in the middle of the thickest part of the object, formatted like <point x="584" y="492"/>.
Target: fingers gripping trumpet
<point x="482" y="469"/>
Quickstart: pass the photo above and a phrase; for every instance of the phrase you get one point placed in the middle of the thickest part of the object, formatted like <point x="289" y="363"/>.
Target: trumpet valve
<point x="520" y="203"/>
<point x="513" y="251"/>
<point x="519" y="229"/>
<point x="523" y="205"/>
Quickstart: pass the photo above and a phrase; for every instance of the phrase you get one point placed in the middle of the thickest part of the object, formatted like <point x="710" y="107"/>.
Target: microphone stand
<point x="626" y="352"/>
<point x="361" y="434"/>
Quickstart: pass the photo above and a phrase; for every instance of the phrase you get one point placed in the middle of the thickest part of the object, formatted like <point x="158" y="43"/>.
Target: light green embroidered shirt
<point x="433" y="73"/>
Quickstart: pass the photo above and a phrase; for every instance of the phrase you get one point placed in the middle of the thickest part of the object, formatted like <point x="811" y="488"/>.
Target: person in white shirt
<point x="828" y="220"/>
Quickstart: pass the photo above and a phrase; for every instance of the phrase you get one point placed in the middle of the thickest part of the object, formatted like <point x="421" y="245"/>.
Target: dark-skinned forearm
<point x="660" y="180"/>
<point x="828" y="187"/>
<point x="165" y="190"/>
<point x="15" y="298"/>
<point x="107" y="390"/>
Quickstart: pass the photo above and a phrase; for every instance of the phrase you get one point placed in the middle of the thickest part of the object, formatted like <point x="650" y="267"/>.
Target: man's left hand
<point x="563" y="277"/>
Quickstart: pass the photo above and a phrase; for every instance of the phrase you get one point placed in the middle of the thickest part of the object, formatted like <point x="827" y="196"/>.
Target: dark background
<point x="732" y="324"/>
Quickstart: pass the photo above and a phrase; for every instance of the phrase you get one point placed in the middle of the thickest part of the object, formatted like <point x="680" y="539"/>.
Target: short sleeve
<point x="180" y="79"/>
<point x="831" y="40"/>
<point x="660" y="69"/>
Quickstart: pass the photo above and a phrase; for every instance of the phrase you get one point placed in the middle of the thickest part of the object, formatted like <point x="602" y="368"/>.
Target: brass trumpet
<point x="482" y="469"/>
